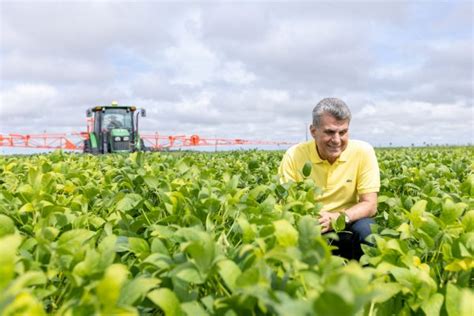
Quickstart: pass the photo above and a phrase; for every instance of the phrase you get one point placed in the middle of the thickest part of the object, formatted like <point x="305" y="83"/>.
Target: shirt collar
<point x="314" y="153"/>
<point x="344" y="155"/>
<point x="315" y="156"/>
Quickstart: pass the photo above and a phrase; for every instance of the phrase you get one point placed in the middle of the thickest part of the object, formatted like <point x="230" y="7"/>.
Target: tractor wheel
<point x="89" y="149"/>
<point x="142" y="146"/>
<point x="87" y="146"/>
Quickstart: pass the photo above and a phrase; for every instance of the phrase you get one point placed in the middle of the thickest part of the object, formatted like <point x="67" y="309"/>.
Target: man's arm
<point x="287" y="168"/>
<point x="367" y="207"/>
<point x="369" y="184"/>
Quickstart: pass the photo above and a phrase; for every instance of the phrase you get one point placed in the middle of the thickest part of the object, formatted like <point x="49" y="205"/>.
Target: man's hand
<point x="325" y="219"/>
<point x="367" y="207"/>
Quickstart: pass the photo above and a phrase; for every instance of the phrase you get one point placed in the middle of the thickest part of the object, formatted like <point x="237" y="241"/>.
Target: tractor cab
<point x="113" y="129"/>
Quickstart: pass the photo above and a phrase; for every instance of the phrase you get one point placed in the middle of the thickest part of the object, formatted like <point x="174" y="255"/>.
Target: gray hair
<point x="332" y="106"/>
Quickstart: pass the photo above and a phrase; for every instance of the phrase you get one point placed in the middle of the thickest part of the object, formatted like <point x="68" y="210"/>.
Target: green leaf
<point x="285" y="233"/>
<point x="72" y="241"/>
<point x="96" y="221"/>
<point x="139" y="247"/>
<point x="7" y="226"/>
<point x="429" y="225"/>
<point x="136" y="290"/>
<point x="23" y="304"/>
<point x="253" y="164"/>
<point x="138" y="158"/>
<point x="200" y="246"/>
<point x="453" y="300"/>
<point x="339" y="224"/>
<point x="465" y="264"/>
<point x="468" y="221"/>
<point x="385" y="291"/>
<point x="405" y="231"/>
<point x="164" y="232"/>
<point x="249" y="277"/>
<point x="108" y="289"/>
<point x="433" y="305"/>
<point x="165" y="299"/>
<point x="208" y="302"/>
<point x="467" y="302"/>
<point x="308" y="166"/>
<point x="151" y="181"/>
<point x="188" y="273"/>
<point x="248" y="232"/>
<point x="26" y="208"/>
<point x="308" y="231"/>
<point x="452" y="211"/>
<point x="229" y="272"/>
<point x="28" y="279"/>
<point x="290" y="306"/>
<point x="106" y="249"/>
<point x="129" y="202"/>
<point x="419" y="207"/>
<point x="193" y="309"/>
<point x="87" y="267"/>
<point x="158" y="246"/>
<point x="331" y="304"/>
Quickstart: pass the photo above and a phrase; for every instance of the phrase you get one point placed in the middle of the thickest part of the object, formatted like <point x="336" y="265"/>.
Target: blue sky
<point x="251" y="70"/>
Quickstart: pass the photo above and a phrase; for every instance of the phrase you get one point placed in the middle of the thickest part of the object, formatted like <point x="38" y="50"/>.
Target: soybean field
<point x="188" y="233"/>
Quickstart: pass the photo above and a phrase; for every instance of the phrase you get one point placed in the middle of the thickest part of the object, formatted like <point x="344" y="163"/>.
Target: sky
<point x="242" y="69"/>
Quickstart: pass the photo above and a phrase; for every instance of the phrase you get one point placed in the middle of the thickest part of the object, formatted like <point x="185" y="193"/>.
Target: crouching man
<point x="346" y="170"/>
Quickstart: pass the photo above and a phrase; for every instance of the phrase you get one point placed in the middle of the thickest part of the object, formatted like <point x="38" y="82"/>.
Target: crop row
<point x="202" y="233"/>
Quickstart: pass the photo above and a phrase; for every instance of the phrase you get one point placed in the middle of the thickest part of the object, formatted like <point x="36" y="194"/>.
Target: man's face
<point x="331" y="137"/>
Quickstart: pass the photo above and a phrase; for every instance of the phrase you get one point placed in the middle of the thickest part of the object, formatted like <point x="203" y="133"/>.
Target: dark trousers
<point x="353" y="236"/>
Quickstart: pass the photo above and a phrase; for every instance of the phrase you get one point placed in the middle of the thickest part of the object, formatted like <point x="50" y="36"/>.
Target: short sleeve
<point x="287" y="168"/>
<point x="369" y="174"/>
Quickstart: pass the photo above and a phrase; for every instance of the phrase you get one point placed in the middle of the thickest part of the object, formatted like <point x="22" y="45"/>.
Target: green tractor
<point x="113" y="129"/>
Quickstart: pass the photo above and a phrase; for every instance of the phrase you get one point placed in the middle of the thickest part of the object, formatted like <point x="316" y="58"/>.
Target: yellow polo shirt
<point x="355" y="172"/>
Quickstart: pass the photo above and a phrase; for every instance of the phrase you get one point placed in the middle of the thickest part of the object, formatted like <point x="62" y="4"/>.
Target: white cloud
<point x="25" y="99"/>
<point x="16" y="67"/>
<point x="415" y="122"/>
<point x="195" y="63"/>
<point x="368" y="110"/>
<point x="235" y="73"/>
<point x="246" y="70"/>
<point x="275" y="96"/>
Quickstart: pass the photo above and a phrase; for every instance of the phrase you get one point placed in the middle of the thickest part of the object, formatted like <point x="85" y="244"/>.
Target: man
<point x="346" y="170"/>
<point x="114" y="123"/>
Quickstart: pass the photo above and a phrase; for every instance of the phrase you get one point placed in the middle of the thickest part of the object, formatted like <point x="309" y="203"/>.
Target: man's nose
<point x="336" y="138"/>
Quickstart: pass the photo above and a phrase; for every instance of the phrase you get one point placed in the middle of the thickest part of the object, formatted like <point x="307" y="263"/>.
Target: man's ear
<point x="312" y="129"/>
